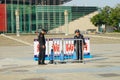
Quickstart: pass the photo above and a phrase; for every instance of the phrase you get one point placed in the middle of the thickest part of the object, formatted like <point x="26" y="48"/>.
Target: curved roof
<point x="43" y="2"/>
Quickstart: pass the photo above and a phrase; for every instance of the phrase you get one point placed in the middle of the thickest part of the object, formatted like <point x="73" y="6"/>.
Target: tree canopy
<point x="107" y="16"/>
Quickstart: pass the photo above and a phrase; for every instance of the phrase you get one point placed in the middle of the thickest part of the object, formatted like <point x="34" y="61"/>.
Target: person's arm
<point x="83" y="40"/>
<point x="74" y="40"/>
<point x="40" y="37"/>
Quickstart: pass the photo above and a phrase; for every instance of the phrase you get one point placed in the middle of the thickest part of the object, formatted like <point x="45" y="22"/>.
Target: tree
<point x="107" y="16"/>
<point x="97" y="20"/>
<point x="115" y="16"/>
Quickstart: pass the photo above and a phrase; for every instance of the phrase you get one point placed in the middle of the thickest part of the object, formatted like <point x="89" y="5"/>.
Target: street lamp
<point x="17" y="22"/>
<point x="66" y="21"/>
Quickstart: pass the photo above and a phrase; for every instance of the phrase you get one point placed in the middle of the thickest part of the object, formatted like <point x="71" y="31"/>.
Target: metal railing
<point x="62" y="50"/>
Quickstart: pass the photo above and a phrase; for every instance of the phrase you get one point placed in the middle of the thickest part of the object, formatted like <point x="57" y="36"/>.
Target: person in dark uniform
<point x="42" y="47"/>
<point x="79" y="44"/>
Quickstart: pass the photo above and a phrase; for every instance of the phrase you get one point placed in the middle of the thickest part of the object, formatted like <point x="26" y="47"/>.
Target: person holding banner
<point x="79" y="44"/>
<point x="42" y="47"/>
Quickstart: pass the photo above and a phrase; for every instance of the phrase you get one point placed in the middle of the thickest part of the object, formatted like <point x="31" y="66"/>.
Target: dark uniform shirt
<point x="41" y="39"/>
<point x="78" y="42"/>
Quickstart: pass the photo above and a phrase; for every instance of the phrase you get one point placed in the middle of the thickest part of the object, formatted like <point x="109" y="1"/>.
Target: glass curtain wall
<point x="33" y="17"/>
<point x="26" y="13"/>
<point x="50" y="17"/>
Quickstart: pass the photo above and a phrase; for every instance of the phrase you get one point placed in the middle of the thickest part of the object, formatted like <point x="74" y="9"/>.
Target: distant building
<point x="35" y="2"/>
<point x="36" y="14"/>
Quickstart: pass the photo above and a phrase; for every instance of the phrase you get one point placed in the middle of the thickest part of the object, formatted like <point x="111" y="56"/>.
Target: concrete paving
<point x="16" y="63"/>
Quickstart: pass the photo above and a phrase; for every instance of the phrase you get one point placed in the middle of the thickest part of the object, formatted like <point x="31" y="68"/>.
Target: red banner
<point x="3" y="19"/>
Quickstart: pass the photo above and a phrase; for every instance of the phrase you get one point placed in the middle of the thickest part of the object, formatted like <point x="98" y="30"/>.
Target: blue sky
<point x="98" y="3"/>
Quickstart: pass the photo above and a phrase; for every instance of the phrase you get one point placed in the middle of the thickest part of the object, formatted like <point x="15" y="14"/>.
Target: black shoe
<point x="80" y="61"/>
<point x="51" y="62"/>
<point x="43" y="64"/>
<point x="39" y="63"/>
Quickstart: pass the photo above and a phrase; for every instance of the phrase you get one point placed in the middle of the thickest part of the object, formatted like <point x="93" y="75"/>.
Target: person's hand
<point x="84" y="46"/>
<point x="43" y="46"/>
<point x="74" y="48"/>
<point x="37" y="33"/>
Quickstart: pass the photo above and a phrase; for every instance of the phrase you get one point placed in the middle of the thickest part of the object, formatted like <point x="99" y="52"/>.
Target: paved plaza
<point x="16" y="62"/>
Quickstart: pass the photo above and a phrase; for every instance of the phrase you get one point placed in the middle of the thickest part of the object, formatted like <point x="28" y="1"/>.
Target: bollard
<point x="74" y="55"/>
<point x="62" y="56"/>
<point x="35" y="57"/>
<point x="51" y="57"/>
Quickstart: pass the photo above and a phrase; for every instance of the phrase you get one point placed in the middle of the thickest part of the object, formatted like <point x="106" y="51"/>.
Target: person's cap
<point x="77" y="31"/>
<point x="40" y="30"/>
<point x="44" y="30"/>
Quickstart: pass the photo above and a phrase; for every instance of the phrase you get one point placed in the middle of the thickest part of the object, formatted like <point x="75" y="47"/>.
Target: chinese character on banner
<point x="56" y="47"/>
<point x="87" y="47"/>
<point x="69" y="47"/>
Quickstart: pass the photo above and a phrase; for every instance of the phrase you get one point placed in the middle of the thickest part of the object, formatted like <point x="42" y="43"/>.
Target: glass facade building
<point x="33" y="17"/>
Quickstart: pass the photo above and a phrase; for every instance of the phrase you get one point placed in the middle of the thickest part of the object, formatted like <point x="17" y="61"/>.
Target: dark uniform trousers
<point x="79" y="51"/>
<point x="79" y="46"/>
<point x="41" y="58"/>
